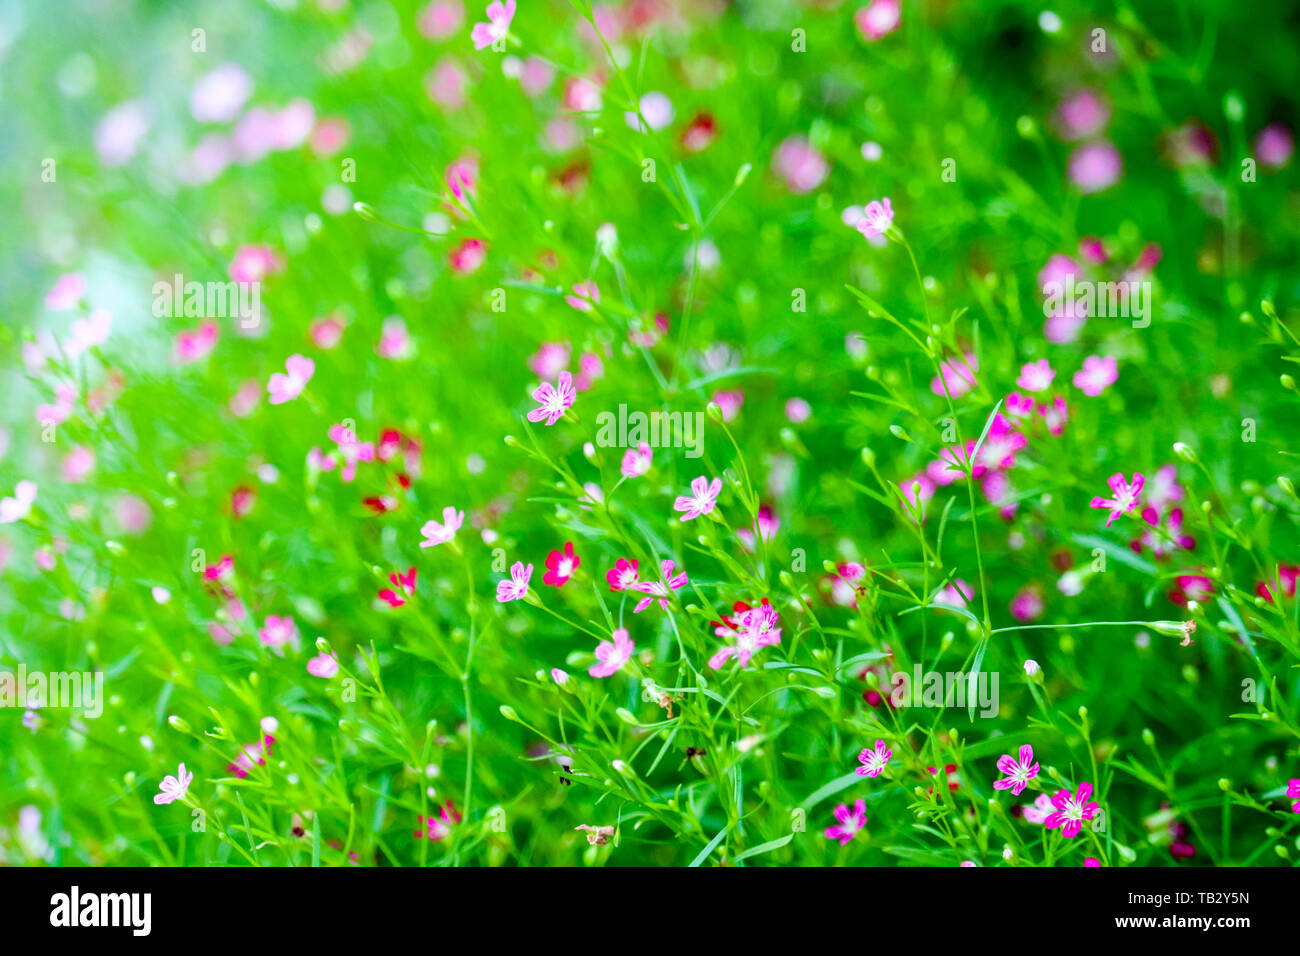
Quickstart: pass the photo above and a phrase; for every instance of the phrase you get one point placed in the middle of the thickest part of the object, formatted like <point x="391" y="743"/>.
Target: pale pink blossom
<point x="440" y="19"/>
<point x="394" y="341"/>
<point x="436" y="534"/>
<point x="173" y="788"/>
<point x="750" y="630"/>
<point x="702" y="499"/>
<point x="323" y="665"/>
<point x="612" y="655"/>
<point x="19" y="505"/>
<point x="654" y="589"/>
<point x="66" y="292"/>
<point x="800" y="165"/>
<point x="1036" y="376"/>
<point x="958" y="376"/>
<point x="278" y="631"/>
<point x="499" y="16"/>
<point x="286" y="386"/>
<point x="878" y="18"/>
<point x="192" y="346"/>
<point x="517" y="586"/>
<point x="582" y="292"/>
<point x="851" y="822"/>
<point x="221" y="94"/>
<point x="1098" y="374"/>
<point x="877" y="217"/>
<point x="1095" y="166"/>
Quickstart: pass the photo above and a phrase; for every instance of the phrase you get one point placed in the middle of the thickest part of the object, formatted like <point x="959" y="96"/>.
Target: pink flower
<point x="278" y="631"/>
<point x="324" y="666"/>
<point x="1098" y="373"/>
<point x="560" y="566"/>
<point x="1055" y="415"/>
<point x="119" y="133"/>
<point x="1091" y="861"/>
<point x="730" y="402"/>
<point x="326" y="333"/>
<point x="18" y="506"/>
<point x="462" y="176"/>
<point x="253" y="263"/>
<point x="517" y="586"/>
<point x="1071" y="811"/>
<point x="440" y="19"/>
<point x="958" y="376"/>
<point x="956" y="594"/>
<point x="286" y="387"/>
<point x="584" y="295"/>
<point x="878" y="18"/>
<point x="767" y="523"/>
<point x="436" y="534"/>
<point x="394" y="340"/>
<point x="438" y="828"/>
<point x="1095" y="166"/>
<point x="402" y="589"/>
<point x="702" y="500"/>
<point x="754" y="628"/>
<point x="612" y="655"/>
<point x="1019" y="406"/>
<point x="1163" y="545"/>
<point x="351" y="449"/>
<point x="801" y="166"/>
<point x="622" y="577"/>
<point x="656" y="589"/>
<point x="251" y="755"/>
<point x="1274" y="146"/>
<point x="1083" y="114"/>
<point x="1027" y="605"/>
<point x="1040" y="809"/>
<point x="1126" y="496"/>
<point x="499" y="16"/>
<point x="636" y="461"/>
<point x="797" y="411"/>
<point x="221" y="94"/>
<point x="173" y="788"/>
<point x="66" y="292"/>
<point x="550" y="359"/>
<point x="553" y="400"/>
<point x="1293" y="790"/>
<point x="193" y="346"/>
<point x="851" y="822"/>
<point x="1036" y="376"/>
<point x="1018" y="772"/>
<point x="1000" y="445"/>
<point x="876" y="218"/>
<point x="467" y="256"/>
<point x="874" y="761"/>
<point x="80" y="461"/>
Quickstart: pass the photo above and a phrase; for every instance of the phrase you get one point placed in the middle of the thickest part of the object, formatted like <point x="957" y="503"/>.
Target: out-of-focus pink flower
<point x="118" y="135"/>
<point x="394" y="341"/>
<point x="326" y="333"/>
<point x="324" y="666"/>
<point x="1095" y="166"/>
<point x="66" y="292"/>
<point x="403" y="588"/>
<point x="193" y="346"/>
<point x="637" y="461"/>
<point x="582" y="292"/>
<point x="468" y="256"/>
<point x="657" y="590"/>
<point x="535" y="76"/>
<point x="612" y="655"/>
<point x="877" y="217"/>
<point x="700" y="133"/>
<point x="499" y="16"/>
<point x="797" y="411"/>
<point x="254" y="263"/>
<point x="878" y="19"/>
<point x="1098" y="374"/>
<point x="220" y="94"/>
<point x="553" y="400"/>
<point x="78" y="464"/>
<point x="1274" y="146"/>
<point x="250" y="756"/>
<point x="440" y="19"/>
<point x="958" y="376"/>
<point x="436" y="534"/>
<point x="748" y="632"/>
<point x="288" y="385"/>
<point x="1036" y="376"/>
<point x="133" y="514"/>
<point x="173" y="788"/>
<point x="1027" y="605"/>
<point x="656" y="108"/>
<point x="582" y="95"/>
<point x="330" y="135"/>
<point x="278" y="631"/>
<point x="800" y="165"/>
<point x="1055" y="415"/>
<point x="293" y="124"/>
<point x="768" y="524"/>
<point x="729" y="401"/>
<point x="447" y="84"/>
<point x="1082" y="115"/>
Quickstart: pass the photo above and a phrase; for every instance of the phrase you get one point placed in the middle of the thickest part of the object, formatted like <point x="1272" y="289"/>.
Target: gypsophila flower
<point x="702" y="499"/>
<point x="1071" y="811"/>
<point x="1126" y="496"/>
<point x="173" y="788"/>
<point x="1018" y="772"/>
<point x="499" y="16"/>
<point x="517" y="586"/>
<point x="851" y="822"/>
<point x="874" y="760"/>
<point x="877" y="217"/>
<point x="553" y="400"/>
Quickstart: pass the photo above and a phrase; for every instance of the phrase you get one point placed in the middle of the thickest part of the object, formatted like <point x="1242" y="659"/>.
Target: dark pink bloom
<point x="402" y="589"/>
<point x="1071" y="811"/>
<point x="658" y="589"/>
<point x="623" y="576"/>
<point x="1126" y="496"/>
<point x="560" y="566"/>
<point x="851" y="822"/>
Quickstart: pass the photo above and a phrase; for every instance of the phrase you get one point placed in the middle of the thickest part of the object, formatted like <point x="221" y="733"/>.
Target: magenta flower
<point x="403" y="588"/>
<point x="499" y="16"/>
<point x="701" y="501"/>
<point x="1274" y="146"/>
<point x="878" y="18"/>
<point x="1126" y="496"/>
<point x="1018" y="772"/>
<point x="851" y="822"/>
<point x="1097" y="375"/>
<point x="1293" y="790"/>
<point x="657" y="589"/>
<point x="554" y="400"/>
<point x="278" y="631"/>
<point x="612" y="655"/>
<point x="436" y="534"/>
<point x="622" y="576"/>
<point x="876" y="218"/>
<point x="1055" y="415"/>
<point x="1071" y="811"/>
<point x="560" y="566"/>
<point x="287" y="387"/>
<point x="173" y="788"/>
<point x="637" y="461"/>
<point x="958" y="376"/>
<point x="753" y="629"/>
<point x="1000" y="446"/>
<point x="873" y="760"/>
<point x="517" y="586"/>
<point x="438" y="828"/>
<point x="1036" y="376"/>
